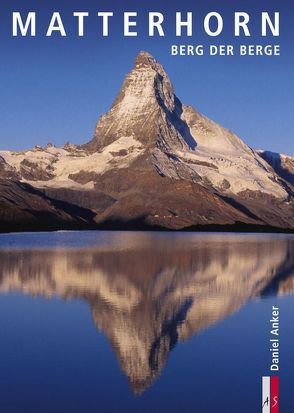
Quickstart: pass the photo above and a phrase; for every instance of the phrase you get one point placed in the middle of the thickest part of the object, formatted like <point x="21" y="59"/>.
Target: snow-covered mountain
<point x="158" y="161"/>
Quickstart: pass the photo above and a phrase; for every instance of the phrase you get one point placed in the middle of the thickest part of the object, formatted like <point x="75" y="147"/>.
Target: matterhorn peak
<point x="147" y="61"/>
<point x="145" y="101"/>
<point x="144" y="58"/>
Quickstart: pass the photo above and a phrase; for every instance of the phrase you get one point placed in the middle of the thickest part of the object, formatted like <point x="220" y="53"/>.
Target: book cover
<point x="146" y="207"/>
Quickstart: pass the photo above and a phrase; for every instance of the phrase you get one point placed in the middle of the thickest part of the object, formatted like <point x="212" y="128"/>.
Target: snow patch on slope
<point x="119" y="154"/>
<point x="232" y="160"/>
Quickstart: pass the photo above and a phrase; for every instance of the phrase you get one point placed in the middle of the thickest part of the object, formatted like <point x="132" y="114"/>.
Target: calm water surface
<point x="143" y="322"/>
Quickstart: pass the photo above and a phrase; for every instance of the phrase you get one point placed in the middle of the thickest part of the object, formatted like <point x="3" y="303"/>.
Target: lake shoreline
<point x="139" y="225"/>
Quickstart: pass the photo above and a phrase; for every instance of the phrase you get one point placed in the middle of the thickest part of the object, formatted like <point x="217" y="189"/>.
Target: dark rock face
<point x="33" y="172"/>
<point x="93" y="200"/>
<point x="272" y="211"/>
<point x="22" y="207"/>
<point x="282" y="164"/>
<point x="7" y="171"/>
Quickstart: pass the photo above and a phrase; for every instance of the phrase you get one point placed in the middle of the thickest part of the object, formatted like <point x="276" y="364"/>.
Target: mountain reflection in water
<point x="149" y="291"/>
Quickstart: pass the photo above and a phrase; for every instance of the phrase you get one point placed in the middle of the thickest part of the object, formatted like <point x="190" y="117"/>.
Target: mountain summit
<point x="154" y="161"/>
<point x="144" y="108"/>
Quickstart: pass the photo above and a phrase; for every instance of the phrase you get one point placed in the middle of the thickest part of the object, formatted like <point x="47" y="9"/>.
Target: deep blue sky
<point x="54" y="89"/>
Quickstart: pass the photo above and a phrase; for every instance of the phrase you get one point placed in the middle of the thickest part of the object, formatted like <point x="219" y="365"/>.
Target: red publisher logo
<point x="270" y="394"/>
